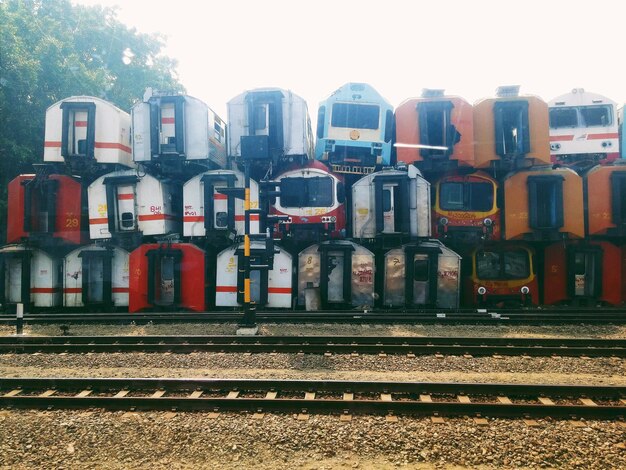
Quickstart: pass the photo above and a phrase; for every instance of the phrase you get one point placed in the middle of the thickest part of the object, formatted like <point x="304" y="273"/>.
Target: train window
<point x="596" y="116"/>
<point x="563" y="117"/>
<point x="468" y="196"/>
<point x="505" y="265"/>
<point x="260" y="114"/>
<point x="218" y="131"/>
<point x="421" y="270"/>
<point x="355" y="116"/>
<point x="306" y="192"/>
<point x="386" y="200"/>
<point x="515" y="264"/>
<point x="321" y="113"/>
<point x="618" y="197"/>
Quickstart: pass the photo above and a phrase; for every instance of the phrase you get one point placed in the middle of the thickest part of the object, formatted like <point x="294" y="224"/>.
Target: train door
<point x="336" y="274"/>
<point x="618" y="199"/>
<point x="126" y="211"/>
<point x="95" y="280"/>
<point x="13" y="286"/>
<point x="79" y="129"/>
<point x="421" y="275"/>
<point x="96" y="277"/>
<point x="40" y="199"/>
<point x="392" y="203"/>
<point x="336" y="265"/>
<point x="164" y="277"/>
<point x="545" y="202"/>
<point x="15" y="277"/>
<point x="585" y="272"/>
<point x="259" y="268"/>
<point x="437" y="134"/>
<point x="219" y="209"/>
<point x="512" y="128"/>
<point x="265" y="123"/>
<point x="169" y="121"/>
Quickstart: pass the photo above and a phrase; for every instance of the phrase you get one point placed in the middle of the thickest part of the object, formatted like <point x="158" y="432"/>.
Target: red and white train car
<point x="206" y="211"/>
<point x="313" y="199"/>
<point x="583" y="129"/>
<point x="167" y="276"/>
<point x="29" y="276"/>
<point x="124" y="202"/>
<point x="87" y="128"/>
<point x="49" y="207"/>
<point x="96" y="277"/>
<point x="270" y="280"/>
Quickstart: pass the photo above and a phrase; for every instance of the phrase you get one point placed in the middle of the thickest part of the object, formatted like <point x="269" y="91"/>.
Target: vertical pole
<point x="249" y="310"/>
<point x="19" y="319"/>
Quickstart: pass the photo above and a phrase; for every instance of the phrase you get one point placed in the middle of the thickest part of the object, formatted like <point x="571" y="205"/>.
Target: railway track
<point x="552" y="316"/>
<point x="474" y="346"/>
<point x="310" y="396"/>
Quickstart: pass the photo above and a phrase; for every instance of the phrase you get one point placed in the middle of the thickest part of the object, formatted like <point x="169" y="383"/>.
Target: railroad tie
<point x="426" y="398"/>
<point x="158" y="394"/>
<point x="309" y="395"/>
<point x="84" y="394"/>
<point x="121" y="394"/>
<point x="505" y="400"/>
<point x="12" y="393"/>
<point x="546" y="401"/>
<point x="347" y="396"/>
<point x="48" y="393"/>
<point x="385" y="397"/>
<point x="463" y="399"/>
<point x="437" y="420"/>
<point x="233" y="394"/>
<point x="271" y="395"/>
<point x="196" y="394"/>
<point x="588" y="402"/>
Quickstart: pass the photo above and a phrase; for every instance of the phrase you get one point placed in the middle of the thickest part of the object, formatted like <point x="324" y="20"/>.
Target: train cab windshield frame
<point x="355" y="116"/>
<point x="498" y="265"/>
<point x="307" y="192"/>
<point x="581" y="116"/>
<point x="466" y="196"/>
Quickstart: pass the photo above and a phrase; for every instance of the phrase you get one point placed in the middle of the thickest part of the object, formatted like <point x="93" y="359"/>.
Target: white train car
<point x="179" y="127"/>
<point x="391" y="202"/>
<point x="87" y="128"/>
<point x="270" y="286"/>
<point x="423" y="274"/>
<point x="271" y="125"/>
<point x="208" y="212"/>
<point x="336" y="274"/>
<point x="124" y="202"/>
<point x="96" y="276"/>
<point x="29" y="276"/>
<point x="583" y="128"/>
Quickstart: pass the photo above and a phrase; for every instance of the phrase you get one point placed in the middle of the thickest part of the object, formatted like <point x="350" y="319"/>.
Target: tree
<point x="52" y="49"/>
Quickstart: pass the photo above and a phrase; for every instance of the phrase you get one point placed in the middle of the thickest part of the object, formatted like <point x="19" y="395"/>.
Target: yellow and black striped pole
<point x="249" y="311"/>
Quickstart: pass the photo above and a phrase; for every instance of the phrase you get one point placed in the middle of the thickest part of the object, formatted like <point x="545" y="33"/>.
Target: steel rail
<point x="443" y="399"/>
<point x="421" y="345"/>
<point x="595" y="316"/>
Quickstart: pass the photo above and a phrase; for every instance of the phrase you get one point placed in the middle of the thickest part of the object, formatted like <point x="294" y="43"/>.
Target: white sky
<point x="399" y="47"/>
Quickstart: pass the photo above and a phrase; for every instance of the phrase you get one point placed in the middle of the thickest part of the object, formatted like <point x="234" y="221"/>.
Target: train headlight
<point x="488" y="222"/>
<point x="443" y="221"/>
<point x="555" y="146"/>
<point x="481" y="290"/>
<point x="607" y="143"/>
<point x="524" y="290"/>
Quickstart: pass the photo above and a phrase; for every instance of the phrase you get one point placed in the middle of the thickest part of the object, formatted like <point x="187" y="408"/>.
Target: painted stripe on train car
<point x="225" y="288"/>
<point x="125" y="196"/>
<point x="44" y="290"/>
<point x="279" y="290"/>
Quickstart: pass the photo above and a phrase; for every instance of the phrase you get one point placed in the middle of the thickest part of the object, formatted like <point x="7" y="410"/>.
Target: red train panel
<point x="167" y="276"/>
<point x="45" y="207"/>
<point x="582" y="272"/>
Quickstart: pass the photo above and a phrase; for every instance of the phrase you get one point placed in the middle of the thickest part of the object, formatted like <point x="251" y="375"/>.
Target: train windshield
<point x="468" y="196"/>
<point x="306" y="192"/>
<point x="581" y="116"/>
<point x="506" y="265"/>
<point x="355" y="116"/>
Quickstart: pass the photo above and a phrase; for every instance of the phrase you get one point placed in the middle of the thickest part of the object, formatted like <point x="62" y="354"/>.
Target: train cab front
<point x="503" y="277"/>
<point x="466" y="208"/>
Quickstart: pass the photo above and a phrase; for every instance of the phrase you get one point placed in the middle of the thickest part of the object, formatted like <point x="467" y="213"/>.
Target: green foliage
<point x="51" y="49"/>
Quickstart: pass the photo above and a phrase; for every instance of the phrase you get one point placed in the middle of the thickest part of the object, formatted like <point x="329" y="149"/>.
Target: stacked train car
<point x="509" y="202"/>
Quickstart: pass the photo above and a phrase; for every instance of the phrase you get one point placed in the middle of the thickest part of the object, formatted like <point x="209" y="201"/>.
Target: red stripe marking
<point x="156" y="217"/>
<point x="120" y="290"/>
<point x="608" y="135"/>
<point x="52" y="144"/>
<point x="44" y="290"/>
<point x="554" y="138"/>
<point x="225" y="288"/>
<point x="103" y="220"/>
<point x="73" y="290"/>
<point x="193" y="218"/>
<point x="125" y="196"/>
<point x="220" y="196"/>
<point x="167" y="120"/>
<point x="279" y="290"/>
<point x="80" y="124"/>
<point x="112" y="145"/>
<point x="241" y="218"/>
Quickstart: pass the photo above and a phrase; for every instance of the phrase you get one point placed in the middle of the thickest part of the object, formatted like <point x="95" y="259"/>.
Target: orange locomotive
<point x="466" y="208"/>
<point x="606" y="200"/>
<point x="435" y="131"/>
<point x="543" y="204"/>
<point x="502" y="275"/>
<point x="511" y="131"/>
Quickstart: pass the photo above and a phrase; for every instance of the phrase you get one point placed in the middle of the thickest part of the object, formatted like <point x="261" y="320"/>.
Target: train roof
<point x="578" y="97"/>
<point x="85" y="98"/>
<point x="346" y="93"/>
